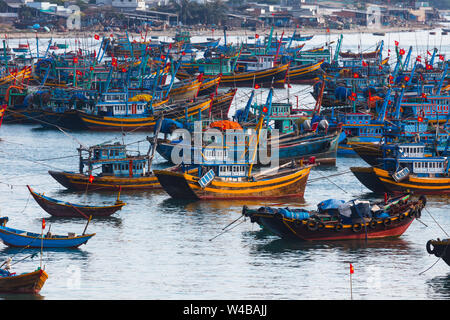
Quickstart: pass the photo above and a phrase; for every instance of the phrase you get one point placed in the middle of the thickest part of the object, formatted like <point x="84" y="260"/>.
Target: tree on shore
<point x="192" y="12"/>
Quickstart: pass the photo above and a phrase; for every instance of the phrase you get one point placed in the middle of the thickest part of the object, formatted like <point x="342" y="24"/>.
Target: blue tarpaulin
<point x="329" y="204"/>
<point x="168" y="125"/>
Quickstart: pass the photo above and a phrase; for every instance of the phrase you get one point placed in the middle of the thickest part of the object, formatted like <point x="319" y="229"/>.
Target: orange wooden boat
<point x="31" y="282"/>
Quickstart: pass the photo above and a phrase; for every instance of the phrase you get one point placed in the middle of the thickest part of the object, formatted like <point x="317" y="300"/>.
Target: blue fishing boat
<point x="407" y="169"/>
<point x="20" y="238"/>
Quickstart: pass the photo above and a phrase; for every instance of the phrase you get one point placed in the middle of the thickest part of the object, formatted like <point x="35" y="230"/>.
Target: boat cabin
<point x="434" y="108"/>
<point x="113" y="160"/>
<point x="255" y="62"/>
<point x="117" y="104"/>
<point x="411" y="150"/>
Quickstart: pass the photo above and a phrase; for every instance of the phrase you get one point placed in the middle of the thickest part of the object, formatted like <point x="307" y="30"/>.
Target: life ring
<point x="429" y="250"/>
<point x="387" y="222"/>
<point x="357" y="227"/>
<point x="372" y="224"/>
<point x="338" y="227"/>
<point x="312" y="225"/>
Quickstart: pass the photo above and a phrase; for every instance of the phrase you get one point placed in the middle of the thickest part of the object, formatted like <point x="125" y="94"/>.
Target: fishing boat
<point x="116" y="170"/>
<point x="226" y="172"/>
<point x="28" y="282"/>
<point x="230" y="77"/>
<point x="440" y="248"/>
<point x="299" y="37"/>
<point x="22" y="48"/>
<point x="58" y="208"/>
<point x="231" y="181"/>
<point x="304" y="74"/>
<point x="339" y="220"/>
<point x="119" y="114"/>
<point x="407" y="170"/>
<point x="20" y="238"/>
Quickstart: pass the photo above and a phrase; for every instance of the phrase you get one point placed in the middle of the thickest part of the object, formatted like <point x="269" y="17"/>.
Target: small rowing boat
<point x="29" y="282"/>
<point x="23" y="239"/>
<point x="65" y="209"/>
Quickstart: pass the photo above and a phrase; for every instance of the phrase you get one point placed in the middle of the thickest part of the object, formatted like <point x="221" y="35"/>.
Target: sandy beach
<point x="23" y="34"/>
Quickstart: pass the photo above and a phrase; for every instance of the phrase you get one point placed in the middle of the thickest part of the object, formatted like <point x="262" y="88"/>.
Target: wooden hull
<point x="209" y="86"/>
<point x="65" y="209"/>
<point x="76" y="181"/>
<point x="416" y="185"/>
<point x="304" y="230"/>
<point x="262" y="78"/>
<point x="322" y="147"/>
<point x="141" y="123"/>
<point x="31" y="282"/>
<point x="68" y="120"/>
<point x="304" y="74"/>
<point x="185" y="186"/>
<point x="369" y="152"/>
<point x="369" y="179"/>
<point x="440" y="248"/>
<point x="185" y="92"/>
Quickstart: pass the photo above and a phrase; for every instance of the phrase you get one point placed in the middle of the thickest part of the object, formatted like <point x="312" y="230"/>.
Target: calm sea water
<point x="158" y="248"/>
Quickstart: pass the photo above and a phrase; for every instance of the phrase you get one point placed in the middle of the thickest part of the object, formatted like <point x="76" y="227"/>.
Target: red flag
<point x="424" y="95"/>
<point x="352" y="270"/>
<point x="396" y="43"/>
<point x="183" y="53"/>
<point x="91" y="178"/>
<point x="97" y="37"/>
<point x="328" y="30"/>
<point x="124" y="70"/>
<point x="114" y="62"/>
<point x="401" y="52"/>
<point x="256" y="86"/>
<point x="43" y="223"/>
<point x="441" y="57"/>
<point x="256" y="36"/>
<point x="75" y="59"/>
<point x="364" y="64"/>
<point x="428" y="52"/>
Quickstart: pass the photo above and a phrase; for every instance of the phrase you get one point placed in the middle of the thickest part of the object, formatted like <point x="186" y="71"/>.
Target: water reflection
<point x="222" y="206"/>
<point x="439" y="286"/>
<point x="20" y="296"/>
<point x="112" y="221"/>
<point x="277" y="245"/>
